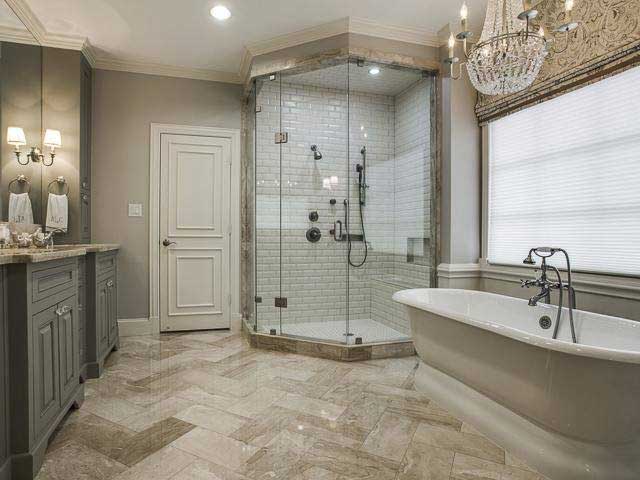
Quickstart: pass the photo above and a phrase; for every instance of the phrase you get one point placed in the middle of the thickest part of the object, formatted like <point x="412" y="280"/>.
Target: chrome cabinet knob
<point x="166" y="242"/>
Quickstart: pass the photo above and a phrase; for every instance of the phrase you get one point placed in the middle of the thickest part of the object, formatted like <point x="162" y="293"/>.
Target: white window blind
<point x="566" y="173"/>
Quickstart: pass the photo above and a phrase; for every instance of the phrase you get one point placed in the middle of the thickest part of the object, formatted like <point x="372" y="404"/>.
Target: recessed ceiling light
<point x="220" y="12"/>
<point x="374" y="71"/>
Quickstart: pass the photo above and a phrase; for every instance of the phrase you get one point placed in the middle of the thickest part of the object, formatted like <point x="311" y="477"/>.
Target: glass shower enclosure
<point x="340" y="199"/>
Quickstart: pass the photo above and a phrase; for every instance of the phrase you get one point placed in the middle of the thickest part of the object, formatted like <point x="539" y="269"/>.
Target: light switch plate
<point x="135" y="209"/>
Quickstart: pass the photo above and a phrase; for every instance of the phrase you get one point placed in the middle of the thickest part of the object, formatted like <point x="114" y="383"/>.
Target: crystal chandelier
<point x="511" y="49"/>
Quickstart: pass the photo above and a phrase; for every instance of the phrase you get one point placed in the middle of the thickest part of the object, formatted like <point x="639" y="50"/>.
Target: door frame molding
<point x="233" y="134"/>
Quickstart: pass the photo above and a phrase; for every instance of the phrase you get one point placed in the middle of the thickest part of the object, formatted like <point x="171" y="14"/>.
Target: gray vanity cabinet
<point x="101" y="310"/>
<point x="44" y="354"/>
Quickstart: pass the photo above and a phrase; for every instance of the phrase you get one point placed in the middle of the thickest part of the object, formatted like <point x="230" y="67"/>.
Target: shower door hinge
<point x="258" y="108"/>
<point x="281" y="302"/>
<point x="282" y="137"/>
<point x="257" y="299"/>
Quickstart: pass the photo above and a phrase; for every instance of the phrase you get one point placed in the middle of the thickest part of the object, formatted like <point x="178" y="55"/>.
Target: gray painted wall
<point x="461" y="172"/>
<point x="125" y="105"/>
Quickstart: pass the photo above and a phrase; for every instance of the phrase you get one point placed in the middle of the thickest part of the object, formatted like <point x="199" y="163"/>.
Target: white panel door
<point x="194" y="232"/>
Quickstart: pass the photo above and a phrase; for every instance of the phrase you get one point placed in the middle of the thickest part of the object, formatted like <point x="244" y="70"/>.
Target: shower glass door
<point x="314" y="113"/>
<point x="267" y="183"/>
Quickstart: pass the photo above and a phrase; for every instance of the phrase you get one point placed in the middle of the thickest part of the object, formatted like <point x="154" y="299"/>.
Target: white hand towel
<point x="20" y="208"/>
<point x="57" y="212"/>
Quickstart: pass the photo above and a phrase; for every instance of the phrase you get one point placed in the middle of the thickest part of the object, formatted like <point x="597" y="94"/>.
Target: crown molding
<point x="149" y="68"/>
<point x="299" y="37"/>
<point x="17" y="35"/>
<point x="362" y="26"/>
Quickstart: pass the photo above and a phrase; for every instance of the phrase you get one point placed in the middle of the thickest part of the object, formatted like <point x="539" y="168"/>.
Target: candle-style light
<point x="464" y="13"/>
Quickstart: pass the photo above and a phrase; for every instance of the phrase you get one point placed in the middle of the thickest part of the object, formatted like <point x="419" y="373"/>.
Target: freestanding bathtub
<point x="570" y="410"/>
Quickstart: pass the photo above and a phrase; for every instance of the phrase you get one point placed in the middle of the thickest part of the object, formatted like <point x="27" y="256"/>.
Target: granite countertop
<point x="37" y="255"/>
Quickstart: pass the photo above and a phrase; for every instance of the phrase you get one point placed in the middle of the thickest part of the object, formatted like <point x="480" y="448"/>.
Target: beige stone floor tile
<point x="216" y="448"/>
<point x="306" y="389"/>
<point x="391" y="436"/>
<point x="78" y="462"/>
<point x="428" y="463"/>
<point x="311" y="406"/>
<point x="211" y="419"/>
<point x="344" y="393"/>
<point x="466" y="467"/>
<point x="465" y="443"/>
<point x="256" y="403"/>
<point x="327" y="430"/>
<point x="110" y="407"/>
<point x="155" y="413"/>
<point x="202" y="470"/>
<point x="261" y="430"/>
<point x="349" y="462"/>
<point x="281" y="459"/>
<point x="151" y="440"/>
<point x="364" y="412"/>
<point x="199" y="396"/>
<point x="91" y="431"/>
<point x="162" y="465"/>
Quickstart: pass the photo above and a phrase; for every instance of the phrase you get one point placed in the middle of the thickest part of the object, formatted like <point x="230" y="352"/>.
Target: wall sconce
<point x="52" y="139"/>
<point x="15" y="137"/>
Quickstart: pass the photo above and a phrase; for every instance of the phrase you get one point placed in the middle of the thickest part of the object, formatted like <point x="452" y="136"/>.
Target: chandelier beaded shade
<point x="511" y="50"/>
<point x="507" y="58"/>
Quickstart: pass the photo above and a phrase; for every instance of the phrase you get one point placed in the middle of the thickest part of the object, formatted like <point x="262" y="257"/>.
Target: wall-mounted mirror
<point x="21" y="188"/>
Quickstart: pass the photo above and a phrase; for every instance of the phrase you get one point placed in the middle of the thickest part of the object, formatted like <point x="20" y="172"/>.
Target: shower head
<point x="317" y="155"/>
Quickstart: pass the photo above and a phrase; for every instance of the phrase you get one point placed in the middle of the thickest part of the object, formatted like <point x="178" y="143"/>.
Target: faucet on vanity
<point x="546" y="286"/>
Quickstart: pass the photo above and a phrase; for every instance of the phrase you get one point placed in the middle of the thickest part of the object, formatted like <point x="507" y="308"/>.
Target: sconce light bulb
<point x="464" y="12"/>
<point x="541" y="32"/>
<point x="568" y="5"/>
<point x="452" y="41"/>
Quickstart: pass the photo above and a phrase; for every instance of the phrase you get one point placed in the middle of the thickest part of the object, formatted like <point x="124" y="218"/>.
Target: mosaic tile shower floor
<point x="206" y="406"/>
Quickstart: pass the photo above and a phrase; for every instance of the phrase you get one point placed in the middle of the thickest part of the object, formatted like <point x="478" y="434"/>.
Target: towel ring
<point x="59" y="181"/>
<point x="20" y="179"/>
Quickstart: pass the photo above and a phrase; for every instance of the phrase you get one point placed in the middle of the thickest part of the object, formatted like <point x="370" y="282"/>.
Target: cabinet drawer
<point x="105" y="263"/>
<point x="53" y="280"/>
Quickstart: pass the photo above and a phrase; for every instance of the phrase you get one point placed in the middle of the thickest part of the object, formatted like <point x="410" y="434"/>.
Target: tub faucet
<point x="546" y="286"/>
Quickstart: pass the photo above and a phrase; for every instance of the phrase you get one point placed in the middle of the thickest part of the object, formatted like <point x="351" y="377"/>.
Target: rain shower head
<point x="317" y="155"/>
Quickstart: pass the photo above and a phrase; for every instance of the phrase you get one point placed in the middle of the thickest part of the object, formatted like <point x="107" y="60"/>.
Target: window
<point x="566" y="173"/>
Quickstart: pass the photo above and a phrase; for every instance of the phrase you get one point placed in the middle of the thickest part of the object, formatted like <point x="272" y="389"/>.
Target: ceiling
<point x="12" y="26"/>
<point x="181" y="33"/>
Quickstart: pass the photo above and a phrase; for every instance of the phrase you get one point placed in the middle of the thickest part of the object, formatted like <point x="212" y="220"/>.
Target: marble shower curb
<point x="331" y="351"/>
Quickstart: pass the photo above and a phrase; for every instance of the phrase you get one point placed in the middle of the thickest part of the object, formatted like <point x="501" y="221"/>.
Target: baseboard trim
<point x="131" y="327"/>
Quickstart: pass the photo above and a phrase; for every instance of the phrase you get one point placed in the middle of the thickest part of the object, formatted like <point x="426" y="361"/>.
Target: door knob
<point x="166" y="242"/>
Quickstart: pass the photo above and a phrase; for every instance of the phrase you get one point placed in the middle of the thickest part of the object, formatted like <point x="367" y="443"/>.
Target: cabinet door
<point x="113" y="309"/>
<point x="69" y="343"/>
<point x="46" y="386"/>
<point x="102" y="316"/>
